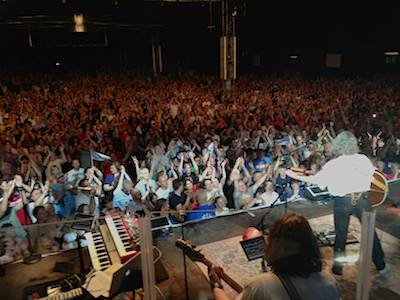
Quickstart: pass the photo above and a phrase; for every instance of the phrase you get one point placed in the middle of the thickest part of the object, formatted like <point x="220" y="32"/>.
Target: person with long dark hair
<point x="294" y="258"/>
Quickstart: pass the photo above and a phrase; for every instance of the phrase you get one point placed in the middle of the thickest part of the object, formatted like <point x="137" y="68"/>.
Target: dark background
<point x="361" y="34"/>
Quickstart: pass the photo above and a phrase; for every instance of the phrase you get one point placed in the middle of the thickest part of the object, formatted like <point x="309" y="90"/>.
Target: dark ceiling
<point x="259" y="17"/>
<point x="190" y="30"/>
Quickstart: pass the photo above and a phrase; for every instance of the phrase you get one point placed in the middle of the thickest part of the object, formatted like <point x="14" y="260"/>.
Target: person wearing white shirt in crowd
<point x="165" y="185"/>
<point x="145" y="183"/>
<point x="76" y="174"/>
<point x="122" y="193"/>
<point x="269" y="196"/>
<point x="347" y="177"/>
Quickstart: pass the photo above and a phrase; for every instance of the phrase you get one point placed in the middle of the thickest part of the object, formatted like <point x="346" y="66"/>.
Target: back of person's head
<point x="161" y="204"/>
<point x="345" y="143"/>
<point x="292" y="247"/>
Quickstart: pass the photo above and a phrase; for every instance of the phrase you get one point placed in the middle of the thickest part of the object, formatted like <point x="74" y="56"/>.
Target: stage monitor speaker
<point x="314" y="193"/>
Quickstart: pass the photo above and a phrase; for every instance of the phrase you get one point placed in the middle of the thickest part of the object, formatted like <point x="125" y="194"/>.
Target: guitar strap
<point x="289" y="286"/>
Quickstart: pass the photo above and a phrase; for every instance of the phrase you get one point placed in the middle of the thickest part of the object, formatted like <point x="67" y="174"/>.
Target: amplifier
<point x="314" y="193"/>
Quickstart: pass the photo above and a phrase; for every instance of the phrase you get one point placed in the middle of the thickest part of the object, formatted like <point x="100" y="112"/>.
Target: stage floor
<point x="220" y="240"/>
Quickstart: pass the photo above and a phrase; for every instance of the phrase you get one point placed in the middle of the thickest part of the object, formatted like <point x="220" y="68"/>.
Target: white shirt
<point x="163" y="193"/>
<point x="75" y="175"/>
<point x="269" y="199"/>
<point x="346" y="174"/>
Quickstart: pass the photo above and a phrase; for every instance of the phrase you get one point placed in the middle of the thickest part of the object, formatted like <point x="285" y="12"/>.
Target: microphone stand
<point x="81" y="266"/>
<point x="285" y="198"/>
<point x="261" y="225"/>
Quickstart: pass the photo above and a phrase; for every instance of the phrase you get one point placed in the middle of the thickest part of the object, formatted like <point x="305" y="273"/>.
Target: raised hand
<point x="18" y="181"/>
<point x="135" y="160"/>
<point x="224" y="162"/>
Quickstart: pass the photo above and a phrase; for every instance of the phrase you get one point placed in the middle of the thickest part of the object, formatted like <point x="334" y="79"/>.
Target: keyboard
<point x="121" y="236"/>
<point x="64" y="295"/>
<point x="97" y="251"/>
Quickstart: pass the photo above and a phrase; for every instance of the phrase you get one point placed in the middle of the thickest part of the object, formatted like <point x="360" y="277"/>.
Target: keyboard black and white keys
<point x="98" y="251"/>
<point x="121" y="236"/>
<point x="64" y="295"/>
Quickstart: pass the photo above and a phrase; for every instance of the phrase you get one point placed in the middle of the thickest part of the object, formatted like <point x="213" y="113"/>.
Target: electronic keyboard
<point x="64" y="295"/>
<point x="121" y="235"/>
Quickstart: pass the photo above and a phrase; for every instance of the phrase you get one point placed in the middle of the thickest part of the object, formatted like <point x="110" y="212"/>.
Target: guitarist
<point x="295" y="259"/>
<point x="348" y="178"/>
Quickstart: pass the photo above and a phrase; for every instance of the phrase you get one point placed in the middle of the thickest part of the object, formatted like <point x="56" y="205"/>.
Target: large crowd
<point x="173" y="145"/>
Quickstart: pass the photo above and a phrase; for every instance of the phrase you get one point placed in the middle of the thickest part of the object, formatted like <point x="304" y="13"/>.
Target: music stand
<point x="253" y="248"/>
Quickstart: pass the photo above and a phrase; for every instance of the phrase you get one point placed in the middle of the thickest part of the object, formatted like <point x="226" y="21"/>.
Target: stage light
<point x="392" y="53"/>
<point x="293" y="57"/>
<point x="251" y="233"/>
<point x="347" y="259"/>
<point x="57" y="64"/>
<point x="79" y="22"/>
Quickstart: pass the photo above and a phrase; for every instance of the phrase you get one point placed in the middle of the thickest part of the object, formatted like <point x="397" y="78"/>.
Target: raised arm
<point x="36" y="169"/>
<point x="223" y="171"/>
<point x="306" y="179"/>
<point x="259" y="182"/>
<point x="28" y="172"/>
<point x="40" y="200"/>
<point x="195" y="166"/>
<point x="245" y="170"/>
<point x="321" y="132"/>
<point x="97" y="173"/>
<point x="47" y="159"/>
<point x="98" y="185"/>
<point x="277" y="164"/>
<point x="6" y="197"/>
<point x="235" y="170"/>
<point x="180" y="167"/>
<point x="136" y="163"/>
<point x="120" y="179"/>
<point x="332" y="129"/>
<point x="63" y="156"/>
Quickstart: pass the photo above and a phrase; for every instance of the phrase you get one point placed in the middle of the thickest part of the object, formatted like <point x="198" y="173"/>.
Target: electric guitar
<point x="378" y="190"/>
<point x="195" y="255"/>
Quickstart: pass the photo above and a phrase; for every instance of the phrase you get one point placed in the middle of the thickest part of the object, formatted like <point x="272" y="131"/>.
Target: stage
<point x="220" y="238"/>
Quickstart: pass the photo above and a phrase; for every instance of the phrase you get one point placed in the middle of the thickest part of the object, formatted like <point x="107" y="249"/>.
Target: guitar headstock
<point x="190" y="250"/>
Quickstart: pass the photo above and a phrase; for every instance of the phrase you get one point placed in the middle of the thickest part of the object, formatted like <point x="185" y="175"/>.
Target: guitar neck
<point x="225" y="277"/>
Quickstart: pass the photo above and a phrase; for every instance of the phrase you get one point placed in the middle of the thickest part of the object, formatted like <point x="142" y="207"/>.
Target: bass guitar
<point x="195" y="255"/>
